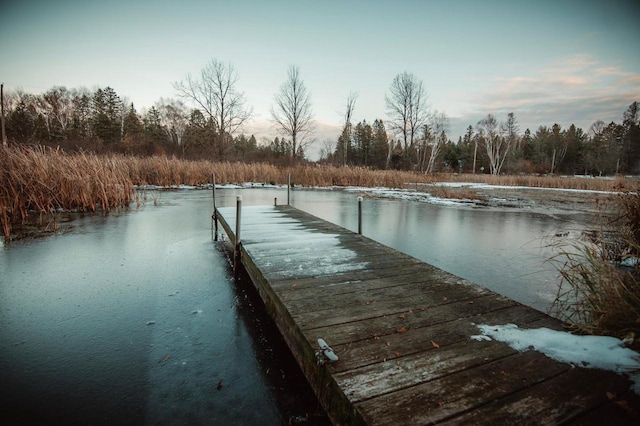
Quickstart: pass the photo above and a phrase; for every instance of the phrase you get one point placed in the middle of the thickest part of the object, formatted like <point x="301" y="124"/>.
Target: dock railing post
<point x="275" y="201"/>
<point x="288" y="189"/>
<point x="236" y="246"/>
<point x="215" y="211"/>
<point x="360" y="215"/>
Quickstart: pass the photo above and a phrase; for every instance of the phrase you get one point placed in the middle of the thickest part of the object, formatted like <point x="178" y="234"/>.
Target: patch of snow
<point x="269" y="234"/>
<point x="630" y="262"/>
<point x="601" y="352"/>
<point x="411" y="195"/>
<point x="487" y="186"/>
<point x="228" y="186"/>
<point x="481" y="337"/>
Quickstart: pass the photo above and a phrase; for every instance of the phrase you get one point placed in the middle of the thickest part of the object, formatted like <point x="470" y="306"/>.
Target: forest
<point x="414" y="138"/>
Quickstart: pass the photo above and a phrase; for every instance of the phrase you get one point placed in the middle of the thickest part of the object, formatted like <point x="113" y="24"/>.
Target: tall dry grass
<point x="165" y="171"/>
<point x="40" y="179"/>
<point x="597" y="294"/>
<point x="44" y="180"/>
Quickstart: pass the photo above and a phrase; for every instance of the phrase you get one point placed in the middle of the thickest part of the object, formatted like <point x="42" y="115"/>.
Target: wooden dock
<point x="402" y="331"/>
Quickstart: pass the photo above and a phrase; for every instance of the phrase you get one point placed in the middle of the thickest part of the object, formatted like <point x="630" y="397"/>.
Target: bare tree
<point x="495" y="141"/>
<point x="216" y="95"/>
<point x="407" y="108"/>
<point x="292" y="112"/>
<point x="347" y="129"/>
<point x="326" y="148"/>
<point x="439" y="125"/>
<point x="174" y="119"/>
<point x="488" y="127"/>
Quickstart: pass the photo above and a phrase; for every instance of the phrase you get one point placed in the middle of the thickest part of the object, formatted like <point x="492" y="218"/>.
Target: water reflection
<point x="136" y="319"/>
<point x="505" y="251"/>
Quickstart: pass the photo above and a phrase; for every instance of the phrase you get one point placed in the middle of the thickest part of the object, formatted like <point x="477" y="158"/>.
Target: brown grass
<point x="596" y="294"/>
<point x="45" y="180"/>
<point x="455" y="193"/>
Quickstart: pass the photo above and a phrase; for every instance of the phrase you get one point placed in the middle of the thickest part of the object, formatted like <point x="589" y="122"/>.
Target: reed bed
<point x="44" y="180"/>
<point x="597" y="295"/>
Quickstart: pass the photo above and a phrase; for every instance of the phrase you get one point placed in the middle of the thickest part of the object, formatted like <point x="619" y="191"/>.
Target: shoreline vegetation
<point x="41" y="180"/>
<point x="595" y="296"/>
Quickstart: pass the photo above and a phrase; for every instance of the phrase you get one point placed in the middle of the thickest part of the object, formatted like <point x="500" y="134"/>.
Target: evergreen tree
<point x="20" y="124"/>
<point x="81" y="121"/>
<point x="574" y="140"/>
<point x="132" y="130"/>
<point x="106" y="107"/>
<point x="631" y="138"/>
<point x="153" y="128"/>
<point x="379" y="145"/>
<point x="363" y="140"/>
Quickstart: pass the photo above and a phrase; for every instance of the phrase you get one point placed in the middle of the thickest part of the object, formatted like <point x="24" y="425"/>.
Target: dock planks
<point x="402" y="331"/>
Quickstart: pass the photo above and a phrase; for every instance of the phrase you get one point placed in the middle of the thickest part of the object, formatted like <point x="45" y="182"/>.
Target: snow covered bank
<point x="473" y="185"/>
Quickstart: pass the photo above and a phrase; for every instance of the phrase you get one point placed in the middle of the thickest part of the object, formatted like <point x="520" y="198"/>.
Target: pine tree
<point x="105" y="121"/>
<point x="379" y="146"/>
<point x="631" y="124"/>
<point x="132" y="130"/>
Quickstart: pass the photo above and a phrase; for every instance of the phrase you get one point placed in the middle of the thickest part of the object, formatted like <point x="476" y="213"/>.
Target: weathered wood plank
<point x="377" y="328"/>
<point x="395" y="341"/>
<point x="405" y="371"/>
<point x="455" y="394"/>
<point x="402" y="330"/>
<point x="540" y="404"/>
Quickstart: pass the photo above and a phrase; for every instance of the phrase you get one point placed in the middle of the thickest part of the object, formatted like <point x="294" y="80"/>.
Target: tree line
<point x="418" y="140"/>
<point x="414" y="137"/>
<point x="102" y="121"/>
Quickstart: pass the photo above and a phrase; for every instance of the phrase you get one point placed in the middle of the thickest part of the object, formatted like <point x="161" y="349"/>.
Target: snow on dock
<point x="405" y="333"/>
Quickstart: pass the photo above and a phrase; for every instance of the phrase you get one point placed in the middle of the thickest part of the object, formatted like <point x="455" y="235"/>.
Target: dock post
<point x="236" y="249"/>
<point x="215" y="211"/>
<point x="275" y="201"/>
<point x="288" y="189"/>
<point x="360" y="215"/>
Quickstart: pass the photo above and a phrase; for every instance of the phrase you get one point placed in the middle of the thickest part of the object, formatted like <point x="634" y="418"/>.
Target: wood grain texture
<point x="402" y="330"/>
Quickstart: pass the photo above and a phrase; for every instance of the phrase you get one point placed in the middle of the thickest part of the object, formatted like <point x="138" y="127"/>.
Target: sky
<point x="558" y="61"/>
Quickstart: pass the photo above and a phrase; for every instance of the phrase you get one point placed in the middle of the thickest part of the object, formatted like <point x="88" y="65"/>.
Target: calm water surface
<point x="134" y="318"/>
<point x="503" y="250"/>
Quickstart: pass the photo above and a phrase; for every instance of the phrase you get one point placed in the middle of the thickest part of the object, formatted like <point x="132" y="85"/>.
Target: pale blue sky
<point x="565" y="61"/>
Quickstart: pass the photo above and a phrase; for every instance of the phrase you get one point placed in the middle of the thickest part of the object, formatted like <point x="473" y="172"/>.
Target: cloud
<point x="577" y="90"/>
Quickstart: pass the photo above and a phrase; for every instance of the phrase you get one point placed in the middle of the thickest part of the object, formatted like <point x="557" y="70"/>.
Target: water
<point x="134" y="318"/>
<point x="505" y="250"/>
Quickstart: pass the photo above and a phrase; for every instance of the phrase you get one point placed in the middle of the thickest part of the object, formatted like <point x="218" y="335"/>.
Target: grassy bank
<point x="600" y="288"/>
<point x="44" y="180"/>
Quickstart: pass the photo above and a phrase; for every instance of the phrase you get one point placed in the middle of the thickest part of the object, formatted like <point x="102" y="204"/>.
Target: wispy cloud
<point x="576" y="90"/>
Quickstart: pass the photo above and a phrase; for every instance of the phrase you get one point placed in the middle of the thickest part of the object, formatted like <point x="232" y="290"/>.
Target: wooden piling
<point x="360" y="215"/>
<point x="215" y="211"/>
<point x="236" y="245"/>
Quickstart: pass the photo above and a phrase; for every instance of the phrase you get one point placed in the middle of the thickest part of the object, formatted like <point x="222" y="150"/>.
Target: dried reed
<point x="596" y="294"/>
<point x="44" y="180"/>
